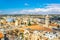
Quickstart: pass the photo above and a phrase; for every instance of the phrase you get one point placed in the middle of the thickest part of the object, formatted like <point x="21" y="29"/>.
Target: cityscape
<point x="30" y="27"/>
<point x="29" y="19"/>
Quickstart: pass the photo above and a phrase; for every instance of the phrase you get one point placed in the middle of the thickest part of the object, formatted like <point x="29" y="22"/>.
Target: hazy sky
<point x="29" y="6"/>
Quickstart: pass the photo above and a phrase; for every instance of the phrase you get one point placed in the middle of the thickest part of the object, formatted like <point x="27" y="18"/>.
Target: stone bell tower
<point x="47" y="21"/>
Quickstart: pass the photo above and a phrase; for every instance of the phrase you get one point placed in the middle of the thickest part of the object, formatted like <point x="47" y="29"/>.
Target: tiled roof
<point x="38" y="27"/>
<point x="53" y="25"/>
<point x="1" y="35"/>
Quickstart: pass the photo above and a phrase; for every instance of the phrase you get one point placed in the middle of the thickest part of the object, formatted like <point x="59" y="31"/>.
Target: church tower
<point x="47" y="20"/>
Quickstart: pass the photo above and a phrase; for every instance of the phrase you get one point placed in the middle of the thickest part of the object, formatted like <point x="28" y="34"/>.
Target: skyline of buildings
<point x="29" y="19"/>
<point x="30" y="27"/>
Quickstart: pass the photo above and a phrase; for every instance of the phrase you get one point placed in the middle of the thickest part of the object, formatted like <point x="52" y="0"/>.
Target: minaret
<point x="47" y="21"/>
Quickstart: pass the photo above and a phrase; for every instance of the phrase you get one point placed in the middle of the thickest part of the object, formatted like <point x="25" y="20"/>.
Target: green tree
<point x="29" y="24"/>
<point x="58" y="26"/>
